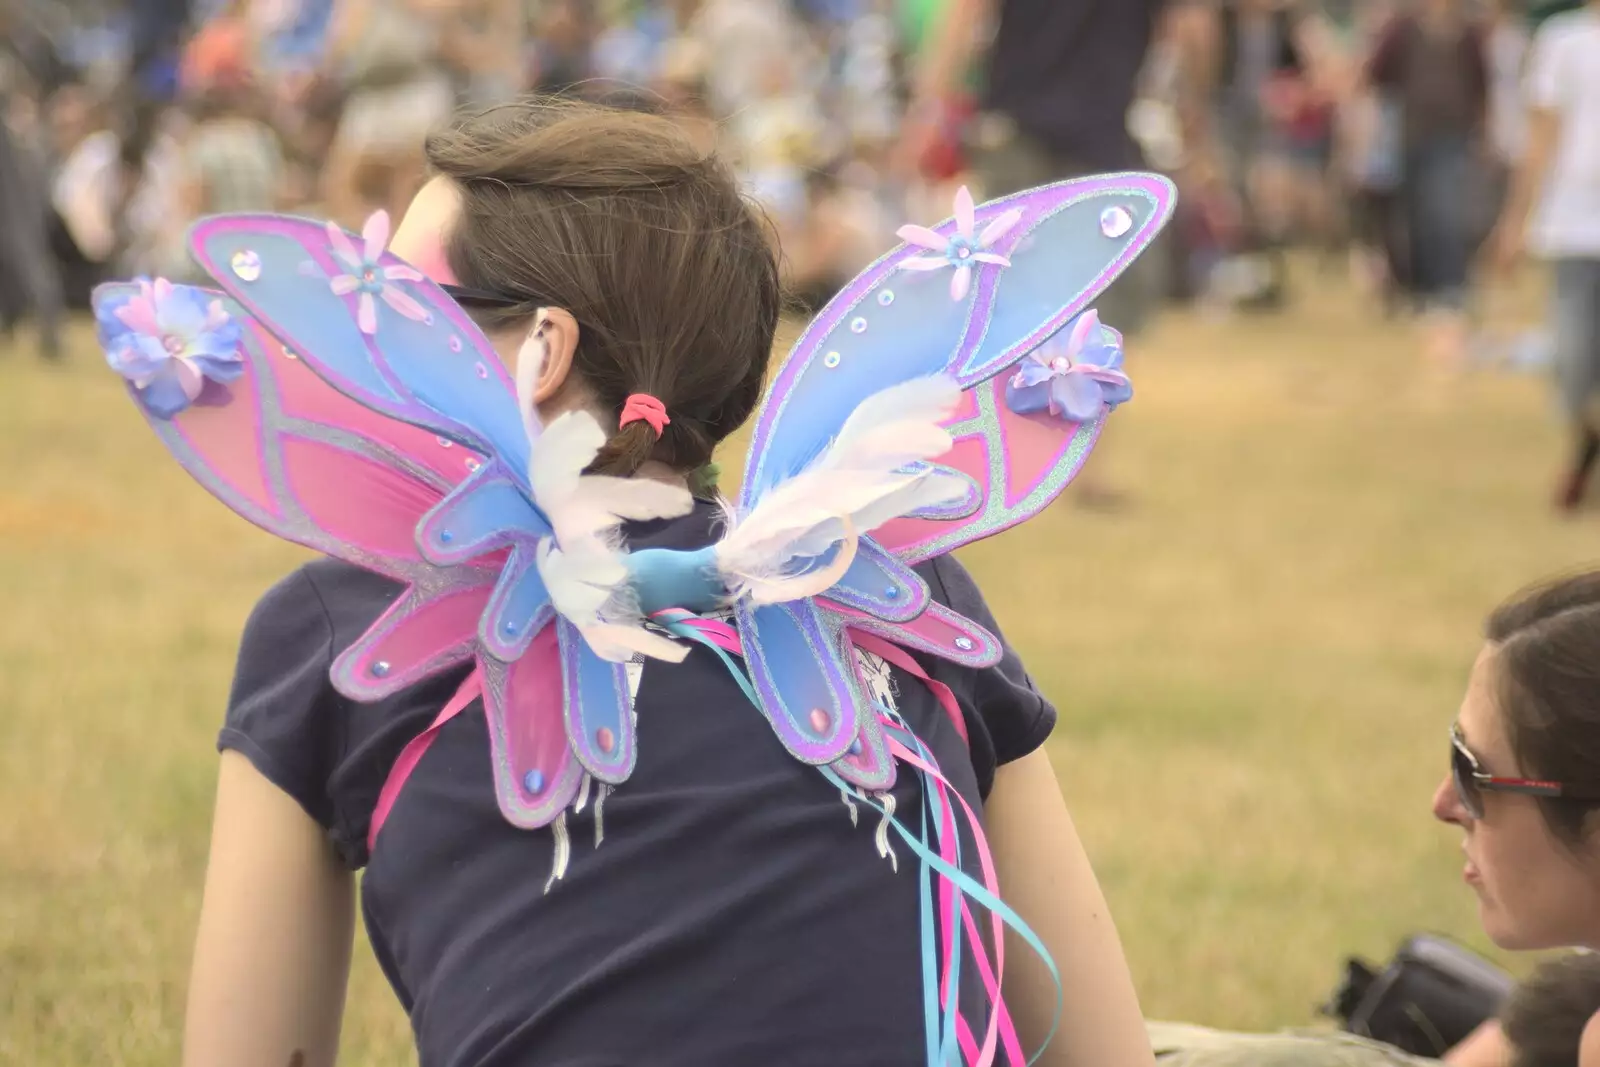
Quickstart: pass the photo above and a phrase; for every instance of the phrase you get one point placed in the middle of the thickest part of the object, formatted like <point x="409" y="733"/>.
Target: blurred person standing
<point x="30" y="283"/>
<point x="232" y="159"/>
<point x="389" y="55"/>
<point x="1431" y="62"/>
<point x="483" y="47"/>
<point x="561" y="53"/>
<point x="1060" y="79"/>
<point x="1554" y="206"/>
<point x="159" y="29"/>
<point x="1506" y="43"/>
<point x="1273" y="89"/>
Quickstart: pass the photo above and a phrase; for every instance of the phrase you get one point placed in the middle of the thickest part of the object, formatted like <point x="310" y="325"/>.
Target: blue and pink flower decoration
<point x="372" y="281"/>
<point x="963" y="249"/>
<point x="1076" y="375"/>
<point x="168" y="341"/>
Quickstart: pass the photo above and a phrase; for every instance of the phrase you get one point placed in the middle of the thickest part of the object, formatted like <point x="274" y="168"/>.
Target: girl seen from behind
<point x="718" y="907"/>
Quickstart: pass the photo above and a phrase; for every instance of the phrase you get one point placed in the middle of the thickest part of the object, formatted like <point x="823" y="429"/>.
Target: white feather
<point x="582" y="565"/>
<point x="558" y="458"/>
<point x="921" y="401"/>
<point x="858" y="483"/>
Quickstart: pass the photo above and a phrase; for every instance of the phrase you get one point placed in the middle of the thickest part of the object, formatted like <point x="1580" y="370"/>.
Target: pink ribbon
<point x="1001" y="1030"/>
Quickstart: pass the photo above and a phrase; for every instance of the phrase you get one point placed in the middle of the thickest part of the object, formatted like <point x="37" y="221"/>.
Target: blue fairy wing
<point x="806" y="686"/>
<point x="599" y="708"/>
<point x="306" y="463"/>
<point x="423" y="360"/>
<point x="894" y="323"/>
<point x="881" y="585"/>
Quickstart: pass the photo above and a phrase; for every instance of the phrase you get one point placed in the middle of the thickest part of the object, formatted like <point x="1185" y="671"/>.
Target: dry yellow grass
<point x="1255" y="661"/>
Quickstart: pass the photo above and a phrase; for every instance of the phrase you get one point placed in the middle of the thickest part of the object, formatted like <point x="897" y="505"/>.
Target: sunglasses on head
<point x="1471" y="782"/>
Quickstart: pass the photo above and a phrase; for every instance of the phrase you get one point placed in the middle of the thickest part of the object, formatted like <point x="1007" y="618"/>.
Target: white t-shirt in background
<point x="1564" y="77"/>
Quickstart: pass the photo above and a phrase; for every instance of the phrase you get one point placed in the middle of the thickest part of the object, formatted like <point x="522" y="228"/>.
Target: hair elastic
<point x="644" y="407"/>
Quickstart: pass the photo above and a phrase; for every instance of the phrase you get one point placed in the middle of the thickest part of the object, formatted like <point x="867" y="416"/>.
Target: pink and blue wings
<point x="292" y="456"/>
<point x="895" y="322"/>
<point x="379" y="331"/>
<point x="971" y="298"/>
<point x="416" y="469"/>
<point x="371" y="324"/>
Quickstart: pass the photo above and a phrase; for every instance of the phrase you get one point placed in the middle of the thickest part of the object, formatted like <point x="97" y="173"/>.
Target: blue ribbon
<point x="939" y="1025"/>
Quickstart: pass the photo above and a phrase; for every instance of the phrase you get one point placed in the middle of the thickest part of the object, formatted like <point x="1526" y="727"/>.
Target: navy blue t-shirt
<point x="732" y="913"/>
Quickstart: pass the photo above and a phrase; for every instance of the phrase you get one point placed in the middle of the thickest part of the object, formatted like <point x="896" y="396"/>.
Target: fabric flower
<point x="168" y="340"/>
<point x="1076" y="375"/>
<point x="369" y="279"/>
<point x="960" y="250"/>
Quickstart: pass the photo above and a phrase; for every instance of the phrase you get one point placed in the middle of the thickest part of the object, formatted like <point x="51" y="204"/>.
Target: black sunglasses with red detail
<point x="1472" y="783"/>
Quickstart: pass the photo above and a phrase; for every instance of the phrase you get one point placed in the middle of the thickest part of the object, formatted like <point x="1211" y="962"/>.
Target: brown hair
<point x="1547" y="1012"/>
<point x="1547" y="670"/>
<point x="618" y="217"/>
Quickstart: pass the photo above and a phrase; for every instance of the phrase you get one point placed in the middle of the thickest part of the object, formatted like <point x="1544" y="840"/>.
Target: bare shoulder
<point x="1589" y="1044"/>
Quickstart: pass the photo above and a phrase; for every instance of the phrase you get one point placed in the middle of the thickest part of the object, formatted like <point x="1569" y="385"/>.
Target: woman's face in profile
<point x="1534" y="891"/>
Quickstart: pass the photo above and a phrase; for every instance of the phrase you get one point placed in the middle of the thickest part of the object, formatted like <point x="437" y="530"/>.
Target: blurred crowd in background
<point x="1377" y="135"/>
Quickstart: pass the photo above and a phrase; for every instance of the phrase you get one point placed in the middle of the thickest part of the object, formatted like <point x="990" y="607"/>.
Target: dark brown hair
<point x="1545" y="1016"/>
<point x="1547" y="671"/>
<point x="618" y="217"/>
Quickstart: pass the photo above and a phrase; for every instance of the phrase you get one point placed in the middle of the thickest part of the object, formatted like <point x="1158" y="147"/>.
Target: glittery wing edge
<point x="423" y="361"/>
<point x="893" y="324"/>
<point x="301" y="461"/>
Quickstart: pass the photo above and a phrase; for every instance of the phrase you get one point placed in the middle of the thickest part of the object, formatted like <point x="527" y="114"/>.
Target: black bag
<point x="1425" y="1001"/>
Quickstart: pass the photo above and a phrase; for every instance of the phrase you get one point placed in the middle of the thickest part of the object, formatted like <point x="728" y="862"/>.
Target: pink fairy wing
<point x="287" y="452"/>
<point x="1066" y="243"/>
<point x="412" y="354"/>
<point x="1020" y="463"/>
<point x="938" y="631"/>
<point x="536" y="776"/>
<point x="419" y="636"/>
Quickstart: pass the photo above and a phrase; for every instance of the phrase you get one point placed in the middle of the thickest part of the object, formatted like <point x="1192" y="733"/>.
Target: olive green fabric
<point x="1181" y="1045"/>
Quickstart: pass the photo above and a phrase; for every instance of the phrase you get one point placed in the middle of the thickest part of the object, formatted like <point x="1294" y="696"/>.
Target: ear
<point x="1589" y="1044"/>
<point x="552" y="342"/>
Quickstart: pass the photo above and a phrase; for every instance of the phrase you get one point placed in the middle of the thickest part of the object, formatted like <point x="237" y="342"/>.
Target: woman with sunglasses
<point x="1524" y="785"/>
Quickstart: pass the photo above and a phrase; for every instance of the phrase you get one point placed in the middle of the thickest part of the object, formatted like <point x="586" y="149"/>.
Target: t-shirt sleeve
<point x="283" y="712"/>
<point x="1012" y="711"/>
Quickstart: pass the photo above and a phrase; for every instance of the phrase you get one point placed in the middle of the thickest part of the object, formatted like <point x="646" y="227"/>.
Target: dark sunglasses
<point x="467" y="296"/>
<point x="1472" y="783"/>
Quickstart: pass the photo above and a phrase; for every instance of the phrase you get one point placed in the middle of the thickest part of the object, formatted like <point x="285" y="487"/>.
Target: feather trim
<point x="860" y="482"/>
<point x="582" y="565"/>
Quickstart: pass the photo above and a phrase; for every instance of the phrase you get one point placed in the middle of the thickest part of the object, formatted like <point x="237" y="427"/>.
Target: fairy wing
<point x="382" y="333"/>
<point x="897" y="320"/>
<point x="298" y="459"/>
<point x="372" y="325"/>
<point x="1018" y="462"/>
<point x="1003" y="279"/>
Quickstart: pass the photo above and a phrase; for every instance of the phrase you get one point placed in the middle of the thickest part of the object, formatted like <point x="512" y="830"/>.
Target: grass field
<point x="1255" y="658"/>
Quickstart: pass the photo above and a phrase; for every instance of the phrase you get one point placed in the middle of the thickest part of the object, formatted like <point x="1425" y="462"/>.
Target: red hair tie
<point x="643" y="406"/>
